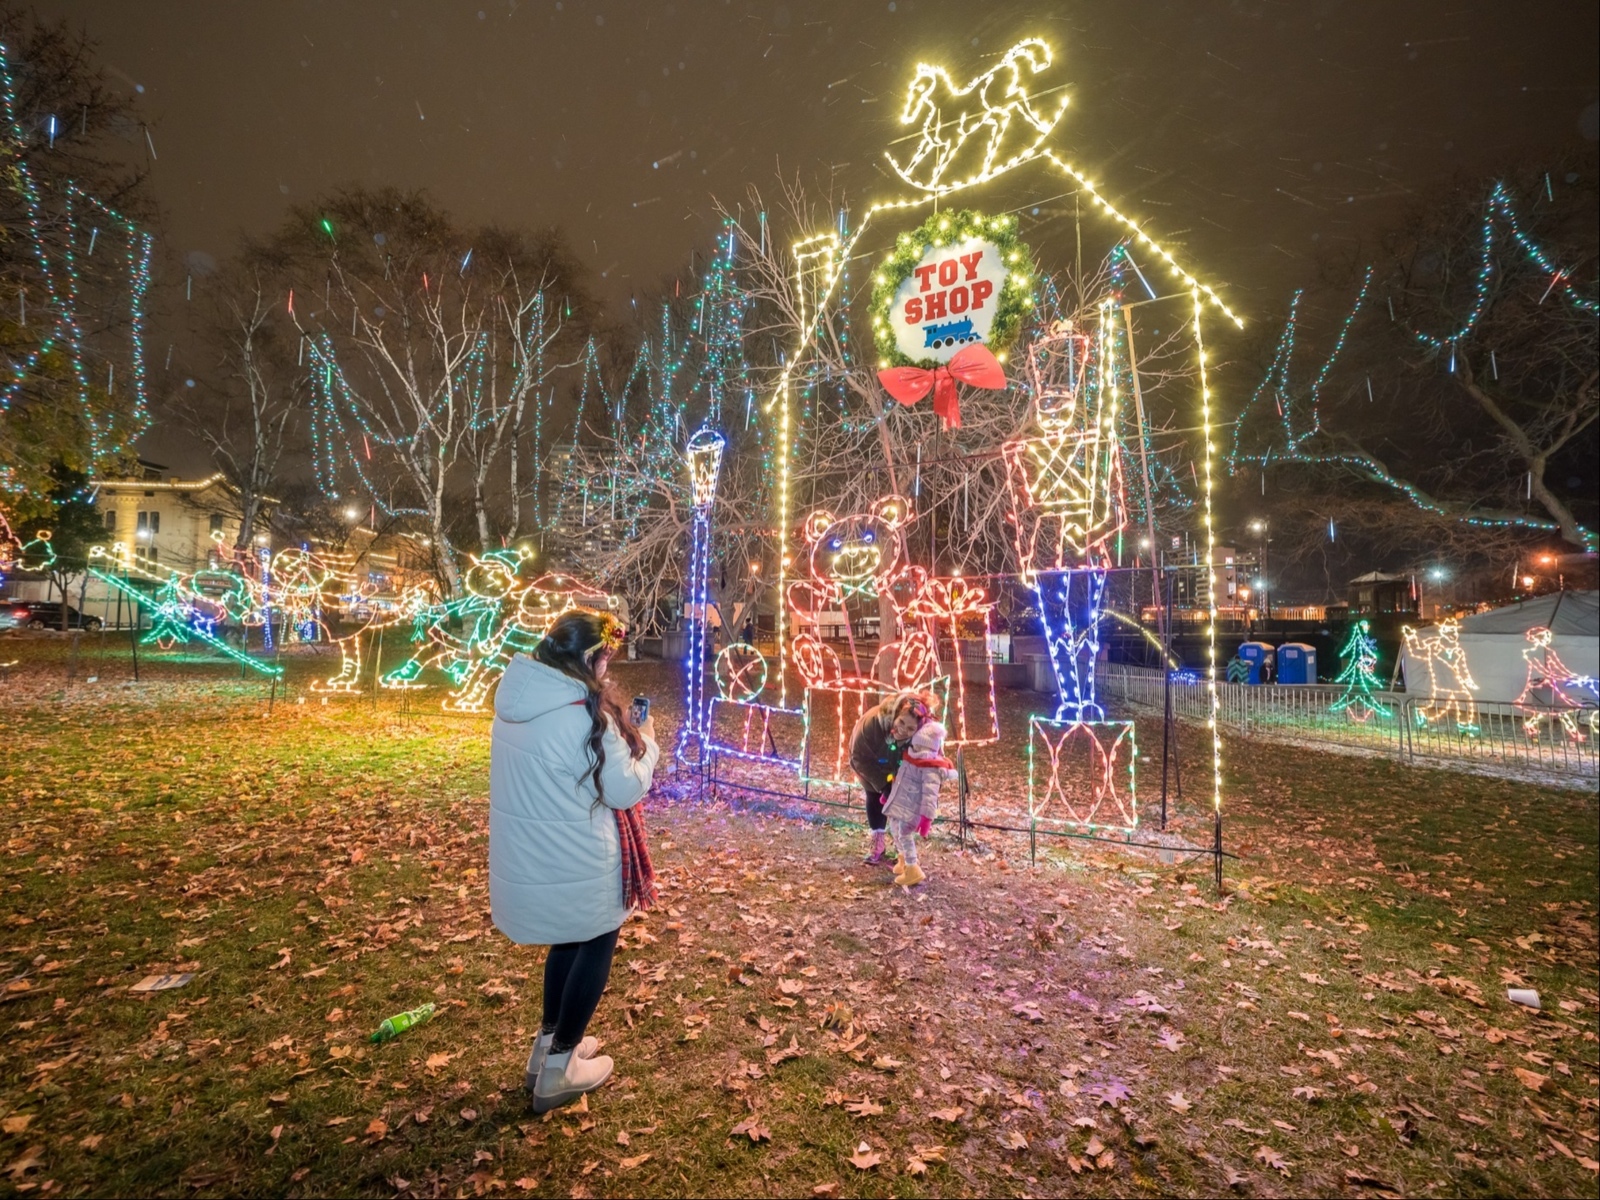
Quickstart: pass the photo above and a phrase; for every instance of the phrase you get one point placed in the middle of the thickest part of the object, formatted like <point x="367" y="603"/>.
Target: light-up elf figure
<point x="1358" y="701"/>
<point x="184" y="608"/>
<point x="472" y="638"/>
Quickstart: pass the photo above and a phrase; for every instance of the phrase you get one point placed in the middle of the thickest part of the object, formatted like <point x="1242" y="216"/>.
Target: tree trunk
<point x="247" y="521"/>
<point x="1533" y="459"/>
<point x="481" y="512"/>
<point x="516" y="498"/>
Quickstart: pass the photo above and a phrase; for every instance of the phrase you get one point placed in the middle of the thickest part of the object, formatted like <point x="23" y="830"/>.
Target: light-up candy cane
<point x="704" y="459"/>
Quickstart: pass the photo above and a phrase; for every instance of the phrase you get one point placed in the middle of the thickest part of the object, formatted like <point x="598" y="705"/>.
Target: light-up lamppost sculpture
<point x="704" y="458"/>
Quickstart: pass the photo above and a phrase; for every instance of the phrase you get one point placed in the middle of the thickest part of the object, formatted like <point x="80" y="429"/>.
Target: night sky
<point x="1249" y="134"/>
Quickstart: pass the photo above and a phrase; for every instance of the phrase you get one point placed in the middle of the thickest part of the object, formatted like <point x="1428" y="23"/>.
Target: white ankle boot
<point x="565" y="1077"/>
<point x="541" y="1047"/>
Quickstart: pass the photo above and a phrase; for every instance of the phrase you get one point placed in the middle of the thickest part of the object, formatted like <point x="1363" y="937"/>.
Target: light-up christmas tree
<point x="1360" y="657"/>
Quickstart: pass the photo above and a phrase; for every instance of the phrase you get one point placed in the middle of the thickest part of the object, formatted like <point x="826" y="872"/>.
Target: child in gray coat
<point x="914" y="798"/>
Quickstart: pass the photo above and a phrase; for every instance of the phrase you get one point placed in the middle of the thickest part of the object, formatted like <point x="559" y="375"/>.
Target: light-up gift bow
<point x="972" y="365"/>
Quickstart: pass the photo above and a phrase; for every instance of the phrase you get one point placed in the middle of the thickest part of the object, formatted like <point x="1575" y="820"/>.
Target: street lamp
<point x="1261" y="529"/>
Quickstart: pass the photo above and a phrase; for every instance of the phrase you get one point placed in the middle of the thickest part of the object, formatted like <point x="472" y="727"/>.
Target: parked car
<point x="43" y="614"/>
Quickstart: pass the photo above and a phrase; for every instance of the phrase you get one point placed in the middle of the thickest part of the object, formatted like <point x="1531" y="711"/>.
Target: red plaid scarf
<point x="638" y="876"/>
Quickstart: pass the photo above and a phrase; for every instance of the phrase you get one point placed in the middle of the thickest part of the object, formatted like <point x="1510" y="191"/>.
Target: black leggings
<point x="876" y="821"/>
<point x="575" y="974"/>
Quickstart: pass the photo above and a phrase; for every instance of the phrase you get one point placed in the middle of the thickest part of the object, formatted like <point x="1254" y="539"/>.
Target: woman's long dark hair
<point x="574" y="641"/>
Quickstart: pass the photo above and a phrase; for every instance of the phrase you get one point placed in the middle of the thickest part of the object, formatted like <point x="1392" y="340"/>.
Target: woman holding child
<point x="896" y="750"/>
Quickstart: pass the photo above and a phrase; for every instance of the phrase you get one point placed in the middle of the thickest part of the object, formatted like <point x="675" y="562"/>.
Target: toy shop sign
<point x="948" y="300"/>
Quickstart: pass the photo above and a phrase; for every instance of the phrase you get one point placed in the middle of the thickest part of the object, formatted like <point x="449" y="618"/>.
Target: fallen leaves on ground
<point x="865" y="1158"/>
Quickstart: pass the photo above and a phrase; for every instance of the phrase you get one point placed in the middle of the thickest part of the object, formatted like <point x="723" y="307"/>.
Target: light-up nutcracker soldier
<point x="703" y="456"/>
<point x="1065" y="485"/>
<point x="1066" y="492"/>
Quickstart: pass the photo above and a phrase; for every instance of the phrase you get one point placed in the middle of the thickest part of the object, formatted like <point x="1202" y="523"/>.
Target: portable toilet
<point x="1259" y="657"/>
<point x="1297" y="663"/>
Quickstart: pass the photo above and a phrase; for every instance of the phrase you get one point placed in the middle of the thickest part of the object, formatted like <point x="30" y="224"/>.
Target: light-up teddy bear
<point x="854" y="561"/>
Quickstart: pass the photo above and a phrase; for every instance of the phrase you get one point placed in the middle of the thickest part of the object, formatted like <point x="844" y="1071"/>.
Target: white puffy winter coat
<point x="555" y="867"/>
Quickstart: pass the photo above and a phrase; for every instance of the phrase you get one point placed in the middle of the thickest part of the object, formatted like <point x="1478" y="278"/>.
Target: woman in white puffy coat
<point x="565" y="759"/>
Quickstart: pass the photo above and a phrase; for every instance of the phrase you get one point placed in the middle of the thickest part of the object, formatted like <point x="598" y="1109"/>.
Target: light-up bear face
<point x="862" y="552"/>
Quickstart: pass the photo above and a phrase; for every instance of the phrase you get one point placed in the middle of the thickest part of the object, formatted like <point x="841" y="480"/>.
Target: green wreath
<point x="1011" y="307"/>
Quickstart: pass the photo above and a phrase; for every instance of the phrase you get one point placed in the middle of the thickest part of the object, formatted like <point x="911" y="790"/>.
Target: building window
<point x="149" y="523"/>
<point x="216" y="522"/>
<point x="111" y="519"/>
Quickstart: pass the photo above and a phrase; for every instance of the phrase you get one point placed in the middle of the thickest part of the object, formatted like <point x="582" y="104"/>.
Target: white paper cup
<point x="1526" y="997"/>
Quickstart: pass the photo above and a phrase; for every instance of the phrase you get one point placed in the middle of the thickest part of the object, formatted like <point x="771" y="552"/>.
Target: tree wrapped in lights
<point x="249" y="389"/>
<point x="1473" y="328"/>
<point x="430" y="352"/>
<point x="75" y="264"/>
<point x="1359" y="699"/>
<point x="629" y="508"/>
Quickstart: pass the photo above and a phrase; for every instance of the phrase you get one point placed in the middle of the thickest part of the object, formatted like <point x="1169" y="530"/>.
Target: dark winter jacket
<point x="873" y="757"/>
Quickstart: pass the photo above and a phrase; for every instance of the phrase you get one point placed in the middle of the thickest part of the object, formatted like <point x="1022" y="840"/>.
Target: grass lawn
<point x="787" y="1023"/>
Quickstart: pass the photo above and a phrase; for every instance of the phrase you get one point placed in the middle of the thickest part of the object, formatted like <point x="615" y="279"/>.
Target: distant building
<point x="584" y="521"/>
<point x="1191" y="590"/>
<point x="154" y="520"/>
<point x="1379" y="594"/>
<point x="157" y="519"/>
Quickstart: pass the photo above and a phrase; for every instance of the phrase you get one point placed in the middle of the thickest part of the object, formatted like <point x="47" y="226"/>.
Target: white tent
<point x="1493" y="643"/>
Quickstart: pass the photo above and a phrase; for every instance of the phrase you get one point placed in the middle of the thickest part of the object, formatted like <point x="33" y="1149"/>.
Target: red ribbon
<point x="972" y="365"/>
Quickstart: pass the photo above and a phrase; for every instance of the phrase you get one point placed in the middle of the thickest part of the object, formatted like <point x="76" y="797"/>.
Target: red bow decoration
<point x="972" y="365"/>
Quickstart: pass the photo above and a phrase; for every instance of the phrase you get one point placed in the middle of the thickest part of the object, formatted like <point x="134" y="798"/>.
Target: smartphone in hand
<point x="639" y="710"/>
